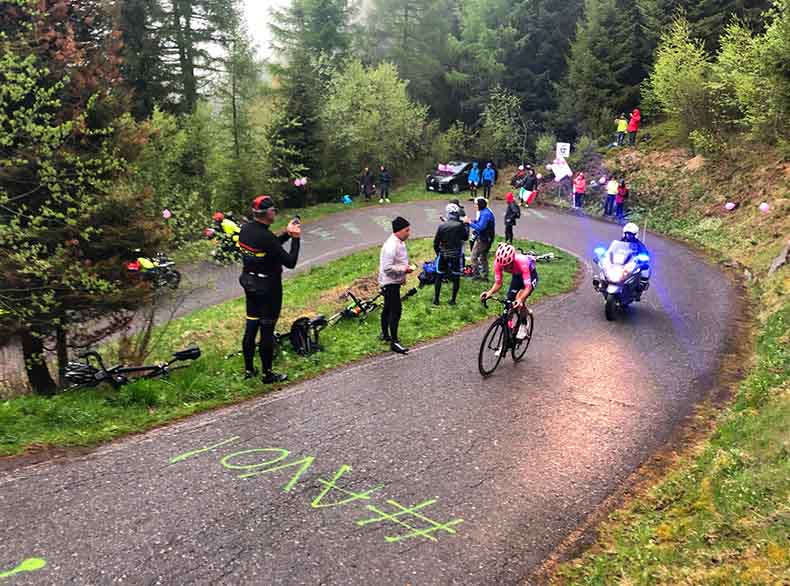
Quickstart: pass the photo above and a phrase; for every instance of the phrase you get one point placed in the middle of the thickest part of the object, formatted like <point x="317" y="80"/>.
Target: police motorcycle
<point x="620" y="276"/>
<point x="225" y="230"/>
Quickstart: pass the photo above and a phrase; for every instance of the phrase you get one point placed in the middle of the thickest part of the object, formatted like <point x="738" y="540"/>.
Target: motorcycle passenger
<point x="522" y="284"/>
<point x="264" y="257"/>
<point x="449" y="247"/>
<point x="631" y="235"/>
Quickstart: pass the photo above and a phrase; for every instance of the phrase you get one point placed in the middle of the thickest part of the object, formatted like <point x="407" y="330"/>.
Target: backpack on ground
<point x="304" y="336"/>
<point x="427" y="275"/>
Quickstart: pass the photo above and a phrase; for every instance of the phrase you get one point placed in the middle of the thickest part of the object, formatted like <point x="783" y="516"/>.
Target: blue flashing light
<point x="599" y="252"/>
<point x="643" y="258"/>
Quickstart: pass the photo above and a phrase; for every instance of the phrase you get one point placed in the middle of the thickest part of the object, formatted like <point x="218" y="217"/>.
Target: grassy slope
<point x="95" y="415"/>
<point x="722" y="515"/>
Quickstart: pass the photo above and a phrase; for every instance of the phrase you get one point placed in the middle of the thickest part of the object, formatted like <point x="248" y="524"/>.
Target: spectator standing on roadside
<point x="611" y="193"/>
<point x="633" y="126"/>
<point x="512" y="213"/>
<point x="489" y="176"/>
<point x="448" y="244"/>
<point x="385" y="179"/>
<point x="622" y="128"/>
<point x="393" y="268"/>
<point x="485" y="229"/>
<point x="474" y="179"/>
<point x="619" y="201"/>
<point x="263" y="259"/>
<point x="579" y="189"/>
<point x="366" y="186"/>
<point x="530" y="188"/>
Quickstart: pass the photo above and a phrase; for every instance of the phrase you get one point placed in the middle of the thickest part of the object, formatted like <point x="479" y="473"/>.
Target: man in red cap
<point x="264" y="257"/>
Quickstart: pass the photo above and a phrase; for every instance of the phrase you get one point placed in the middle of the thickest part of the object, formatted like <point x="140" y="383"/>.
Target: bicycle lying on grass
<point x="93" y="372"/>
<point x="501" y="336"/>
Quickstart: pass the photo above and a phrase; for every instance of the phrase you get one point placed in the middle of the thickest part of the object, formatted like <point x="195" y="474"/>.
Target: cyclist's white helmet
<point x="505" y="254"/>
<point x="452" y="209"/>
<point x="631" y="228"/>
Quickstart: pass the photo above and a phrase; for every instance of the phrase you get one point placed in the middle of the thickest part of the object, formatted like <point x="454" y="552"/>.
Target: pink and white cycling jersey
<point x="521" y="266"/>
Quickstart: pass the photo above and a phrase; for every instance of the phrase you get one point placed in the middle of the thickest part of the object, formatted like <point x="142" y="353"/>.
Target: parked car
<point x="452" y="177"/>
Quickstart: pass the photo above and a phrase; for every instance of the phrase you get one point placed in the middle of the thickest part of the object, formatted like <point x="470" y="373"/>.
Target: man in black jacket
<point x="449" y="247"/>
<point x="385" y="180"/>
<point x="264" y="257"/>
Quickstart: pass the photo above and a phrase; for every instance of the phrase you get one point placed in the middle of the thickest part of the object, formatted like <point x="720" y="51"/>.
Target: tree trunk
<point x="35" y="364"/>
<point x="233" y="90"/>
<point x="184" y="41"/>
<point x="63" y="355"/>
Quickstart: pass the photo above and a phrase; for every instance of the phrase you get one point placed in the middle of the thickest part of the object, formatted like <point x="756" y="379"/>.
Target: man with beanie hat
<point x="449" y="247"/>
<point x="393" y="268"/>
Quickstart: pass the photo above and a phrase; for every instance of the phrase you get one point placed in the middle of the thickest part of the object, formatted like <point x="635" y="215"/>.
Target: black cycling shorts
<point x="450" y="264"/>
<point x="264" y="297"/>
<point x="517" y="284"/>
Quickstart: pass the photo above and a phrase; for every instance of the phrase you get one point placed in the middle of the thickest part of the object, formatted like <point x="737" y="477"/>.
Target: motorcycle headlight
<point x="615" y="274"/>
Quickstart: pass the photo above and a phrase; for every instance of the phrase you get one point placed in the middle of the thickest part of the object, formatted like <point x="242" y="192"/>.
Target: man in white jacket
<point x="393" y="268"/>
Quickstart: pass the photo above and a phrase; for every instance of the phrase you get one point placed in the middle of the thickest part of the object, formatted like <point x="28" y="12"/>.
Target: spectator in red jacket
<point x="579" y="189"/>
<point x="633" y="126"/>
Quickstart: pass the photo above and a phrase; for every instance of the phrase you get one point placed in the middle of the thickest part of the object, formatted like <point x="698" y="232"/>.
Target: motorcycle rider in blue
<point x="485" y="229"/>
<point x="474" y="179"/>
<point x="631" y="235"/>
<point x="489" y="176"/>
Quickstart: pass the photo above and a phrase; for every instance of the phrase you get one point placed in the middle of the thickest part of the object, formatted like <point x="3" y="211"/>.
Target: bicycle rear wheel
<point x="493" y="348"/>
<point x="520" y="346"/>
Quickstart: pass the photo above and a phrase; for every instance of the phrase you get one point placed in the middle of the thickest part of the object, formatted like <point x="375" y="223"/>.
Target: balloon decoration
<point x="602" y="181"/>
<point x="729" y="206"/>
<point x="764" y="207"/>
<point x="167" y="214"/>
<point x="539" y="176"/>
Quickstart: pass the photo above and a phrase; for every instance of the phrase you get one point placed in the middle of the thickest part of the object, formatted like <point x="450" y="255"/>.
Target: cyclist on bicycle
<point x="523" y="283"/>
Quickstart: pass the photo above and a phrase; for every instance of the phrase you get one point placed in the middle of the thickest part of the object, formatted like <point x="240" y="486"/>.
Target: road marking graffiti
<point x="351" y="227"/>
<point x="433" y="526"/>
<point x="383" y="221"/>
<point x="331" y="485"/>
<point x="29" y="565"/>
<point x="255" y="462"/>
<point x="186" y="455"/>
<point x="321" y="234"/>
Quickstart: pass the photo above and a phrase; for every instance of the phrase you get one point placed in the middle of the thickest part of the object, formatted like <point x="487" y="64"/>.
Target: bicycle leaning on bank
<point x="501" y="337"/>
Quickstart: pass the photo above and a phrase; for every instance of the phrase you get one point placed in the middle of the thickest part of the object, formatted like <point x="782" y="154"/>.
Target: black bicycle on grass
<point x="93" y="372"/>
<point x="503" y="335"/>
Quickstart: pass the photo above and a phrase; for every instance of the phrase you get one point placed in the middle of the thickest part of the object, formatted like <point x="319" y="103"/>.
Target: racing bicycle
<point x="92" y="372"/>
<point x="501" y="337"/>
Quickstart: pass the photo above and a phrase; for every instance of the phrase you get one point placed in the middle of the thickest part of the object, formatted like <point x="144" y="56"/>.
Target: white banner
<point x="561" y="169"/>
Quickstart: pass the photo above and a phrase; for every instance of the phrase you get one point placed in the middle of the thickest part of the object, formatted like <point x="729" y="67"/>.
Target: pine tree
<point x="537" y="61"/>
<point x="707" y="18"/>
<point x="415" y="36"/>
<point x="605" y="68"/>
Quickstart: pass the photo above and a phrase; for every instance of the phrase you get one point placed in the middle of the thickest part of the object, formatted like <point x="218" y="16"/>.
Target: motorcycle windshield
<point x="620" y="253"/>
<point x="618" y="263"/>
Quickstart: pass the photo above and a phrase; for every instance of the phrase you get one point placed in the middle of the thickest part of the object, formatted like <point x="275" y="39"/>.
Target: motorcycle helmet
<point x="631" y="228"/>
<point x="262" y="204"/>
<point x="505" y="254"/>
<point x="218" y="216"/>
<point x="452" y="209"/>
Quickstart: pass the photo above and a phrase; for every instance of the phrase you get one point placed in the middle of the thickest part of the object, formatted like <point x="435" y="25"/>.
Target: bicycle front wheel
<point x="493" y="348"/>
<point x="520" y="345"/>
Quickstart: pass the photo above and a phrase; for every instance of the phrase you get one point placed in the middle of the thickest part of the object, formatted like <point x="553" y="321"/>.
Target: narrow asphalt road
<point x="397" y="470"/>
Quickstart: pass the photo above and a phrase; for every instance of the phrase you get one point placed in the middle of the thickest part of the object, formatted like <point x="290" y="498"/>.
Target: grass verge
<point x="88" y="417"/>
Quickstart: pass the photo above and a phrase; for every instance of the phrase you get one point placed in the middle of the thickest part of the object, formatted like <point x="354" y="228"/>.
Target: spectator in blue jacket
<point x="485" y="230"/>
<point x="489" y="176"/>
<point x="474" y="179"/>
